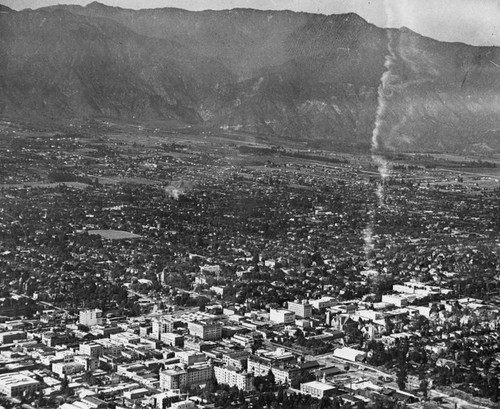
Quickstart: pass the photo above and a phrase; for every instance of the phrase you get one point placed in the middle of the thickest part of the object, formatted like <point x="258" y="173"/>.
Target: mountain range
<point x="301" y="76"/>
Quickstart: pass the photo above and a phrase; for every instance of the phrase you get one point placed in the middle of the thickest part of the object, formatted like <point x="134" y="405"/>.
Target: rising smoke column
<point x="385" y="91"/>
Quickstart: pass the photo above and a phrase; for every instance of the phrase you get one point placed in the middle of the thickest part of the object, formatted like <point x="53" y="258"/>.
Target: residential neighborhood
<point x="210" y="274"/>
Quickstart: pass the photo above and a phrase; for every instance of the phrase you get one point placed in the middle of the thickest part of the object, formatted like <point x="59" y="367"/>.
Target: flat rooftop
<point x="16" y="379"/>
<point x="319" y="385"/>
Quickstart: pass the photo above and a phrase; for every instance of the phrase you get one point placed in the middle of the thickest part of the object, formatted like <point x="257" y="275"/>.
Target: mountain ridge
<point x="299" y="75"/>
<point x="5" y="9"/>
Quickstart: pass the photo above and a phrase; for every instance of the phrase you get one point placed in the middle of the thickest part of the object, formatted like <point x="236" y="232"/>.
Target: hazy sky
<point x="470" y="21"/>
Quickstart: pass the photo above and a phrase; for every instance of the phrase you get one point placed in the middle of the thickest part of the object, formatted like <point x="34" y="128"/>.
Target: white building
<point x="185" y="404"/>
<point x="349" y="354"/>
<point x="16" y="384"/>
<point x="422" y="290"/>
<point x="317" y="389"/>
<point x="243" y="340"/>
<point x="281" y="316"/>
<point x="162" y="325"/>
<point x="191" y="357"/>
<point x="67" y="368"/>
<point x="125" y="338"/>
<point x="90" y="318"/>
<point x="370" y="315"/>
<point x="231" y="376"/>
<point x="179" y="378"/>
<point x="89" y="363"/>
<point x="215" y="269"/>
<point x="323" y="302"/>
<point x="395" y="299"/>
<point x="218" y="290"/>
<point x="206" y="330"/>
<point x="92" y="349"/>
<point x="301" y="309"/>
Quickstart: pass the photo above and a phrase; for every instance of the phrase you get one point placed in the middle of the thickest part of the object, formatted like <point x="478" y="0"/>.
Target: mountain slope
<point x="63" y="64"/>
<point x="298" y="75"/>
<point x="244" y="40"/>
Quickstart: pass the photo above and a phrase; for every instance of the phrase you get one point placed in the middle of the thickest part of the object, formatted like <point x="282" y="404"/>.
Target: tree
<point x="270" y="379"/>
<point x="424" y="385"/>
<point x="493" y="389"/>
<point x="353" y="333"/>
<point x="304" y="377"/>
<point x="65" y="385"/>
<point x="379" y="355"/>
<point x="89" y="378"/>
<point x="389" y="325"/>
<point x="325" y="403"/>
<point x="257" y="343"/>
<point x="42" y="400"/>
<point x="280" y="397"/>
<point x="402" y="372"/>
<point x="401" y="377"/>
<point x="211" y="386"/>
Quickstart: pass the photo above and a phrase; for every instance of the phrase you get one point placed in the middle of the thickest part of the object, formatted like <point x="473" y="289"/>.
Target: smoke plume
<point x="177" y="188"/>
<point x="369" y="246"/>
<point x="385" y="92"/>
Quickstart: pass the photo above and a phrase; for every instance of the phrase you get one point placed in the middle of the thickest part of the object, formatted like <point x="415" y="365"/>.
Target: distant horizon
<point x="476" y="23"/>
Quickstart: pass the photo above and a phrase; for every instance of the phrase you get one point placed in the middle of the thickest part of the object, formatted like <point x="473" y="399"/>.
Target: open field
<point x="114" y="234"/>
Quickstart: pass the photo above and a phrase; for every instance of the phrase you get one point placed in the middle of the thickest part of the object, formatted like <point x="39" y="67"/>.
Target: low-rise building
<point x="140" y="373"/>
<point x="317" y="389"/>
<point x="349" y="354"/>
<point x="67" y="368"/>
<point x="218" y="290"/>
<point x="281" y="316"/>
<point x="53" y="339"/>
<point x="323" y="302"/>
<point x="414" y="287"/>
<point x="238" y="359"/>
<point x="232" y="376"/>
<point x="8" y="337"/>
<point x="174" y="340"/>
<point x="179" y="378"/>
<point x="124" y="338"/>
<point x="92" y="349"/>
<point x="396" y="299"/>
<point x="191" y="357"/>
<point x="89" y="363"/>
<point x="185" y="404"/>
<point x="135" y="393"/>
<point x="17" y="384"/>
<point x="261" y="364"/>
<point x="244" y="340"/>
<point x="206" y="330"/>
<point x="164" y="324"/>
